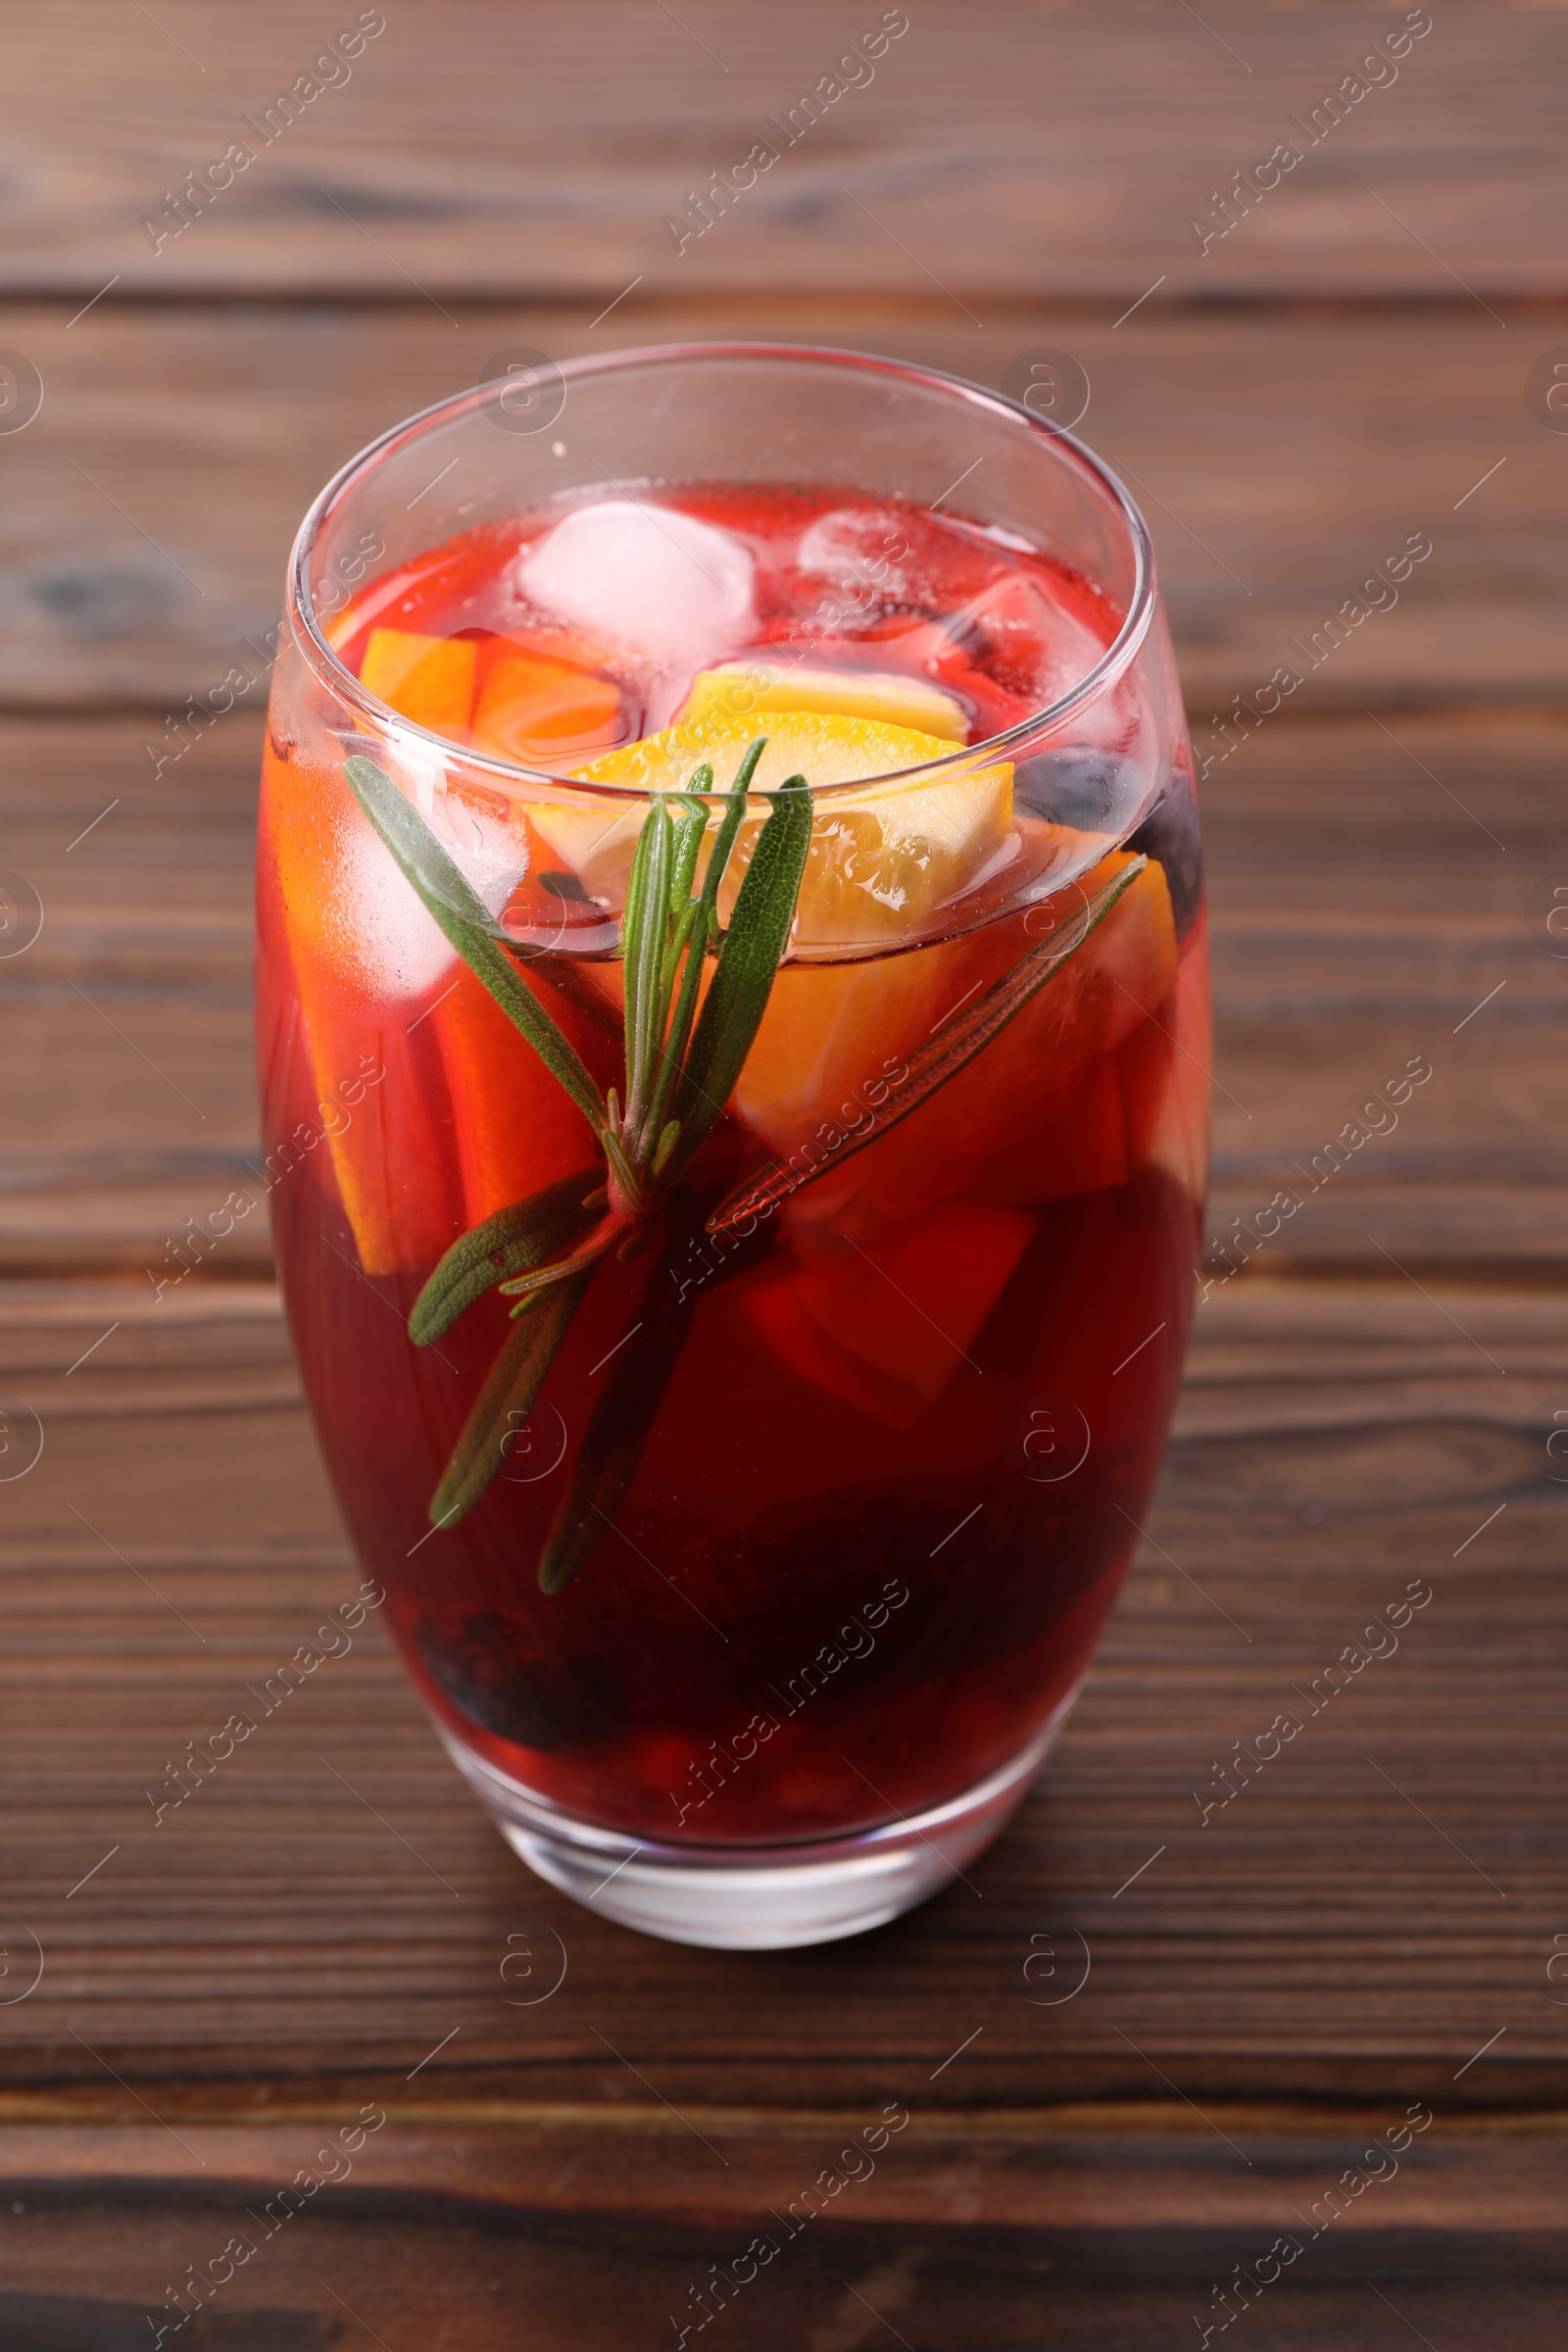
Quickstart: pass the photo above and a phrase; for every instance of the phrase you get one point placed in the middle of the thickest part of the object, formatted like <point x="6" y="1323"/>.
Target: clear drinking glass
<point x="831" y="1450"/>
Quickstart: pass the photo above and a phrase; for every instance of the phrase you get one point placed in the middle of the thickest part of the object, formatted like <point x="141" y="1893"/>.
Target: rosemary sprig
<point x="684" y="1051"/>
<point x="525" y="1235"/>
<point x="680" y="1066"/>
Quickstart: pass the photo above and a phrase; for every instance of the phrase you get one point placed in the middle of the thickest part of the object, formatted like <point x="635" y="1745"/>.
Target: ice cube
<point x="491" y="858"/>
<point x="1030" y="643"/>
<point x="395" y="943"/>
<point x="858" y="549"/>
<point x="659" y="584"/>
<point x="394" y="947"/>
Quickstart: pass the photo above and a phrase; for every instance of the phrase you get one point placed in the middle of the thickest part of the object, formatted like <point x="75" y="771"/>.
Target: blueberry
<point x="483" y="1667"/>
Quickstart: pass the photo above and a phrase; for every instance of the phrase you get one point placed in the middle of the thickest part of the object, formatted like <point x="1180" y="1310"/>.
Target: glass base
<point x="758" y="1897"/>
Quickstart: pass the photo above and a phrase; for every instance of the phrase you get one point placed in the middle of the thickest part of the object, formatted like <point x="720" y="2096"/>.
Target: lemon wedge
<point x="881" y="863"/>
<point x="740" y="690"/>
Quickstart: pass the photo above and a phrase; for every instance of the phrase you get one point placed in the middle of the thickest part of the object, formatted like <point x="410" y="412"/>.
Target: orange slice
<point x="1165" y="1082"/>
<point x="1037" y="1115"/>
<point x="836" y="1037"/>
<point x="428" y="679"/>
<point x="383" y="1134"/>
<point x="541" y="712"/>
<point x="516" y="1128"/>
<point x="886" y="1329"/>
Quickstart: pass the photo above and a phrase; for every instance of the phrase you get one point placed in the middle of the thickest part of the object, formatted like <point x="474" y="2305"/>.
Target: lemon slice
<point x="739" y="690"/>
<point x="880" y="865"/>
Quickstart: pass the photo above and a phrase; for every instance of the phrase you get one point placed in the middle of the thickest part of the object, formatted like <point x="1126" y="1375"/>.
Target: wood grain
<point x="477" y="2236"/>
<point x="1004" y="151"/>
<point x="154" y="499"/>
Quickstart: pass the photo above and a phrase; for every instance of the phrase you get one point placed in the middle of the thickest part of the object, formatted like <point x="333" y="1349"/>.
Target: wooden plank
<point x="1003" y="151"/>
<point x="138" y="985"/>
<point x="153" y="501"/>
<point x="1328" y="1933"/>
<point x="1370" y="897"/>
<point x="1372" y="890"/>
<point x="480" y="2238"/>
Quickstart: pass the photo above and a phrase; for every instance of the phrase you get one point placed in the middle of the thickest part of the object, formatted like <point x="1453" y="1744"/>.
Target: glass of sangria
<point x="733" y="1033"/>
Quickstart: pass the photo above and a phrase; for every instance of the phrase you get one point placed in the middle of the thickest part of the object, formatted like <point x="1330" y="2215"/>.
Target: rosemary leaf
<point x="674" y="920"/>
<point x="623" y="1170"/>
<point x="643" y="930"/>
<point x="627" y="1406"/>
<point x="525" y="1235"/>
<point x="940" y="1058"/>
<point x="587" y="1255"/>
<point x="696" y="928"/>
<point x="665" y="1145"/>
<point x="689" y="817"/>
<point x="749" y="958"/>
<point x="727" y="831"/>
<point x="466" y="920"/>
<point x="514" y="1382"/>
<point x="691" y="942"/>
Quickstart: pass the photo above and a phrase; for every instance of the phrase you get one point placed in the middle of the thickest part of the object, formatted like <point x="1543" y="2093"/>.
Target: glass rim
<point x="339" y="680"/>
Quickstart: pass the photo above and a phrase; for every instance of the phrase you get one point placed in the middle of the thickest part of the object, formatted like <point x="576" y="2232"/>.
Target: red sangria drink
<point x="734" y="1051"/>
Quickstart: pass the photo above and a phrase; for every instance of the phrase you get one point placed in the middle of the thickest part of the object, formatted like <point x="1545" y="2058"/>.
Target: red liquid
<point x="888" y="1497"/>
<point x="889" y="588"/>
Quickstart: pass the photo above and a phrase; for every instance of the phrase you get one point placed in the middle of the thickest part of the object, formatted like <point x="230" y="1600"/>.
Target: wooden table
<point x="1377" y="1927"/>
